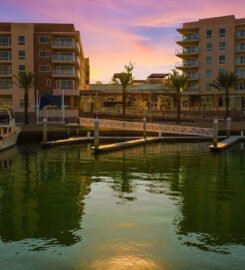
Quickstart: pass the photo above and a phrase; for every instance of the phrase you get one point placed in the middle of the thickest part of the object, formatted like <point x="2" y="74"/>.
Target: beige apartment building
<point x="54" y="53"/>
<point x="207" y="47"/>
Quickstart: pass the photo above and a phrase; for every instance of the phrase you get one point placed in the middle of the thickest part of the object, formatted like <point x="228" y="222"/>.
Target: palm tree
<point x="177" y="83"/>
<point x="26" y="81"/>
<point x="124" y="79"/>
<point x="225" y="81"/>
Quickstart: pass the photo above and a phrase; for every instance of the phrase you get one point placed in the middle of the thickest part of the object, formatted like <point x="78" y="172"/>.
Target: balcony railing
<point x="240" y="49"/>
<point x="240" y="62"/>
<point x="5" y="42"/>
<point x="5" y="59"/>
<point x="189" y="38"/>
<point x="240" y="35"/>
<point x="63" y="44"/>
<point x="5" y="72"/>
<point x="187" y="64"/>
<point x="63" y="58"/>
<point x="189" y="51"/>
<point x="194" y="87"/>
<point x="193" y="76"/>
<point x="240" y="75"/>
<point x="65" y="73"/>
<point x="5" y="84"/>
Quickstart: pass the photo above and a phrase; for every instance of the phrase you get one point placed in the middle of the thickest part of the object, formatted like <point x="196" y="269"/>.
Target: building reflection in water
<point x="43" y="193"/>
<point x="40" y="201"/>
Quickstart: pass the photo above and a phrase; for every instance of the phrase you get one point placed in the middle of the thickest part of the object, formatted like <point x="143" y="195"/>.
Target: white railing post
<point x="144" y="128"/>
<point x="96" y="133"/>
<point x="215" y="134"/>
<point x="228" y="127"/>
<point x="45" y="130"/>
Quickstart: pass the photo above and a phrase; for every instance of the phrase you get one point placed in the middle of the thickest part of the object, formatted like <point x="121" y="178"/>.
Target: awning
<point x="46" y="99"/>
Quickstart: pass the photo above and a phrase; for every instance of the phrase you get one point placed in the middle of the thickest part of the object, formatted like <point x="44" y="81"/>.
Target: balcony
<point x="59" y="58"/>
<point x="187" y="64"/>
<point x="5" y="73"/>
<point x="66" y="73"/>
<point x="5" y="42"/>
<point x="187" y="38"/>
<point x="187" y="51"/>
<point x="192" y="76"/>
<point x="240" y="34"/>
<point x="194" y="87"/>
<point x="240" y="62"/>
<point x="240" y="49"/>
<point x="63" y="44"/>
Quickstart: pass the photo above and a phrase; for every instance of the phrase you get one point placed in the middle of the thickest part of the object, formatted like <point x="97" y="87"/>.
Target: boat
<point x="9" y="131"/>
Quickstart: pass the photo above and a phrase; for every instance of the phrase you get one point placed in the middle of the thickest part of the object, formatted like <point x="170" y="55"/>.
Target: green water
<point x="160" y="206"/>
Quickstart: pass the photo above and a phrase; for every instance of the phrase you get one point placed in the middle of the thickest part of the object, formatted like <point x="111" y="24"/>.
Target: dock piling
<point x="144" y="128"/>
<point x="228" y="127"/>
<point x="215" y="134"/>
<point x="96" y="134"/>
<point x="45" y="130"/>
<point x="242" y="133"/>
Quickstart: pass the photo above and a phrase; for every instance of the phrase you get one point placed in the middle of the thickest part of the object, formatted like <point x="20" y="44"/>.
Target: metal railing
<point x="184" y="64"/>
<point x="187" y="38"/>
<point x="65" y="73"/>
<point x="5" y="72"/>
<point x="194" y="50"/>
<point x="63" y="44"/>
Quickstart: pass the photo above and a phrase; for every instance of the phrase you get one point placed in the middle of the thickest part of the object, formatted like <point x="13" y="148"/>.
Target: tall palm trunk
<point x="26" y="106"/>
<point x="124" y="103"/>
<point x="227" y="103"/>
<point x="178" y="108"/>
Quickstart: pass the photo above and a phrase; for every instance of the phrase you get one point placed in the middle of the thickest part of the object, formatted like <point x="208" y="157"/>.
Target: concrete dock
<point x="225" y="144"/>
<point x="114" y="146"/>
<point x="70" y="140"/>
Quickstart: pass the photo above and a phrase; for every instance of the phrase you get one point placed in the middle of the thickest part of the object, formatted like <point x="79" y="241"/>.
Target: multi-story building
<point x="209" y="46"/>
<point x="54" y="53"/>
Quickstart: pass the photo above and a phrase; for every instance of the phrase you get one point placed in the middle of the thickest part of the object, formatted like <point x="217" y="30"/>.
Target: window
<point x="44" y="54"/>
<point x="22" y="68"/>
<point x="242" y="59"/>
<point x="222" y="46"/>
<point x="241" y="73"/>
<point x="5" y="41"/>
<point x="222" y="59"/>
<point x="44" y="68"/>
<point x="48" y="82"/>
<point x="21" y="40"/>
<point x="241" y="86"/>
<point x="5" y="55"/>
<point x="22" y="55"/>
<point x="208" y="33"/>
<point x="208" y="73"/>
<point x="209" y="60"/>
<point x="221" y="70"/>
<point x="5" y="84"/>
<point x="208" y="47"/>
<point x="222" y="32"/>
<point x="44" y="39"/>
<point x="65" y="84"/>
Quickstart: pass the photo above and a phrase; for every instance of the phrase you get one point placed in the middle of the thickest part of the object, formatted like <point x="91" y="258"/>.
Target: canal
<point x="159" y="206"/>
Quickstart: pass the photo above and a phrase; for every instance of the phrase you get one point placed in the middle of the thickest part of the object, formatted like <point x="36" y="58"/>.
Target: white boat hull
<point x="9" y="140"/>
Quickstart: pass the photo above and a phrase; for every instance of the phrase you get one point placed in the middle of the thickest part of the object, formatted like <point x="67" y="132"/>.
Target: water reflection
<point x="40" y="200"/>
<point x="44" y="194"/>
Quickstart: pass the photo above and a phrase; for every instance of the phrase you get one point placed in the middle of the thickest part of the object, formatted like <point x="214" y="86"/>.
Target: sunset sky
<point x="115" y="32"/>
